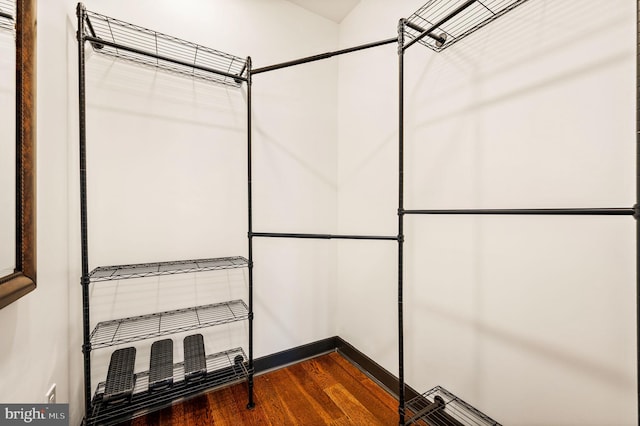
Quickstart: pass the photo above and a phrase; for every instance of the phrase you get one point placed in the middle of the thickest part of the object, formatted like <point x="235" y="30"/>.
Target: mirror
<point x="21" y="199"/>
<point x="7" y="137"/>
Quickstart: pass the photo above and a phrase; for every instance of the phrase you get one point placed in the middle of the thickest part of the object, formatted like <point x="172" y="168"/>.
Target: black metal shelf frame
<point x="7" y="14"/>
<point x="141" y="327"/>
<point x="222" y="368"/>
<point x="150" y="48"/>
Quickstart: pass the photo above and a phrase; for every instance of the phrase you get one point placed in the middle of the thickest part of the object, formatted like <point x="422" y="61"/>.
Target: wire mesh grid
<point x="439" y="407"/>
<point x="147" y="47"/>
<point x="140" y="270"/>
<point x="131" y="329"/>
<point x="223" y="368"/>
<point x="471" y="19"/>
<point x="7" y="14"/>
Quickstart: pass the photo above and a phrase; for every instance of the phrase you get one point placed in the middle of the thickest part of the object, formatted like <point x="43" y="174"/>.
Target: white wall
<point x="34" y="335"/>
<point x="531" y="319"/>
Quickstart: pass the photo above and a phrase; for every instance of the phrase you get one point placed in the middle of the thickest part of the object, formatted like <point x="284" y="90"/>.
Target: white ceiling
<point x="334" y="10"/>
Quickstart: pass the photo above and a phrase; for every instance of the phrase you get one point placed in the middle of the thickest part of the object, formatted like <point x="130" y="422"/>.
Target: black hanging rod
<point x="98" y="41"/>
<point x="323" y="236"/>
<point x="323" y="56"/>
<point x="556" y="212"/>
<point x="6" y="16"/>
<point x="432" y="28"/>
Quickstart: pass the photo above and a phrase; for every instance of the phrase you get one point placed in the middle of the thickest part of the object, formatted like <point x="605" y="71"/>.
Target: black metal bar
<point x="6" y="16"/>
<point x="89" y="26"/>
<point x="553" y="212"/>
<point x="450" y="16"/>
<point x="438" y="404"/>
<point x="242" y="70"/>
<point x="86" y="346"/>
<point x="421" y="30"/>
<point x="324" y="236"/>
<point x="250" y="403"/>
<point x="323" y="56"/>
<point x="401" y="385"/>
<point x="99" y="41"/>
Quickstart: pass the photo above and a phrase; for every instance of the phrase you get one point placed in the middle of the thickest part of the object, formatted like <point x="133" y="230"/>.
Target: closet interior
<point x="126" y="393"/>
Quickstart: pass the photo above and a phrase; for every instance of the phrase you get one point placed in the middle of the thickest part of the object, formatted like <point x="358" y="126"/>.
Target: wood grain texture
<point x="23" y="280"/>
<point x="327" y="390"/>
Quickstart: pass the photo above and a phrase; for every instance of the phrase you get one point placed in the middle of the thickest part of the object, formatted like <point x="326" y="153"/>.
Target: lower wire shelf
<point x="439" y="407"/>
<point x="223" y="368"/>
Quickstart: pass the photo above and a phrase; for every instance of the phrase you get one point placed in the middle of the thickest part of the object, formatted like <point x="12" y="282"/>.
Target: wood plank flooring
<point x="327" y="390"/>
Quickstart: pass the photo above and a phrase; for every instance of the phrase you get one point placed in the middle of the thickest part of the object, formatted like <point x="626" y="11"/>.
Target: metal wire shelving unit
<point x="141" y="46"/>
<point x="437" y="25"/>
<point x="119" y="39"/>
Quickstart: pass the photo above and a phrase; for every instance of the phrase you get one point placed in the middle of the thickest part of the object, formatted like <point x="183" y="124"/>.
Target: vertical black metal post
<point x="86" y="343"/>
<point x="636" y="208"/>
<point x="250" y="404"/>
<point x="401" y="401"/>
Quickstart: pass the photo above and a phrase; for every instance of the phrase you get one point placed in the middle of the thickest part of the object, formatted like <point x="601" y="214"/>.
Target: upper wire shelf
<point x="7" y="14"/>
<point x="439" y="407"/>
<point x="453" y="20"/>
<point x="133" y="43"/>
<point x="140" y="270"/>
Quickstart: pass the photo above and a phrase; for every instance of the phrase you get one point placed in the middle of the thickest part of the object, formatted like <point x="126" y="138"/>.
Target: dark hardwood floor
<point x="327" y="390"/>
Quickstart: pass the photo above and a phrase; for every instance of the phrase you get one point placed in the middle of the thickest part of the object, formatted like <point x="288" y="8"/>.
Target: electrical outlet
<point x="50" y="396"/>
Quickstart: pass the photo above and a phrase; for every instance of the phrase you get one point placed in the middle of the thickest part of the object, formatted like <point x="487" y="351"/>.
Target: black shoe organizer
<point x="125" y="394"/>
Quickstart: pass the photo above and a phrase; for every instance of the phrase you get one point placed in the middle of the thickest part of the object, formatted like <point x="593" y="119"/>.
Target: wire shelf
<point x="223" y="368"/>
<point x="133" y="43"/>
<point x="131" y="329"/>
<point x="7" y="14"/>
<point x="469" y="20"/>
<point x="140" y="270"/>
<point x="439" y="407"/>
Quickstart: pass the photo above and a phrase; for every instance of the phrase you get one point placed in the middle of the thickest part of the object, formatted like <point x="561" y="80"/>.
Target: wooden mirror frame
<point x="23" y="279"/>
